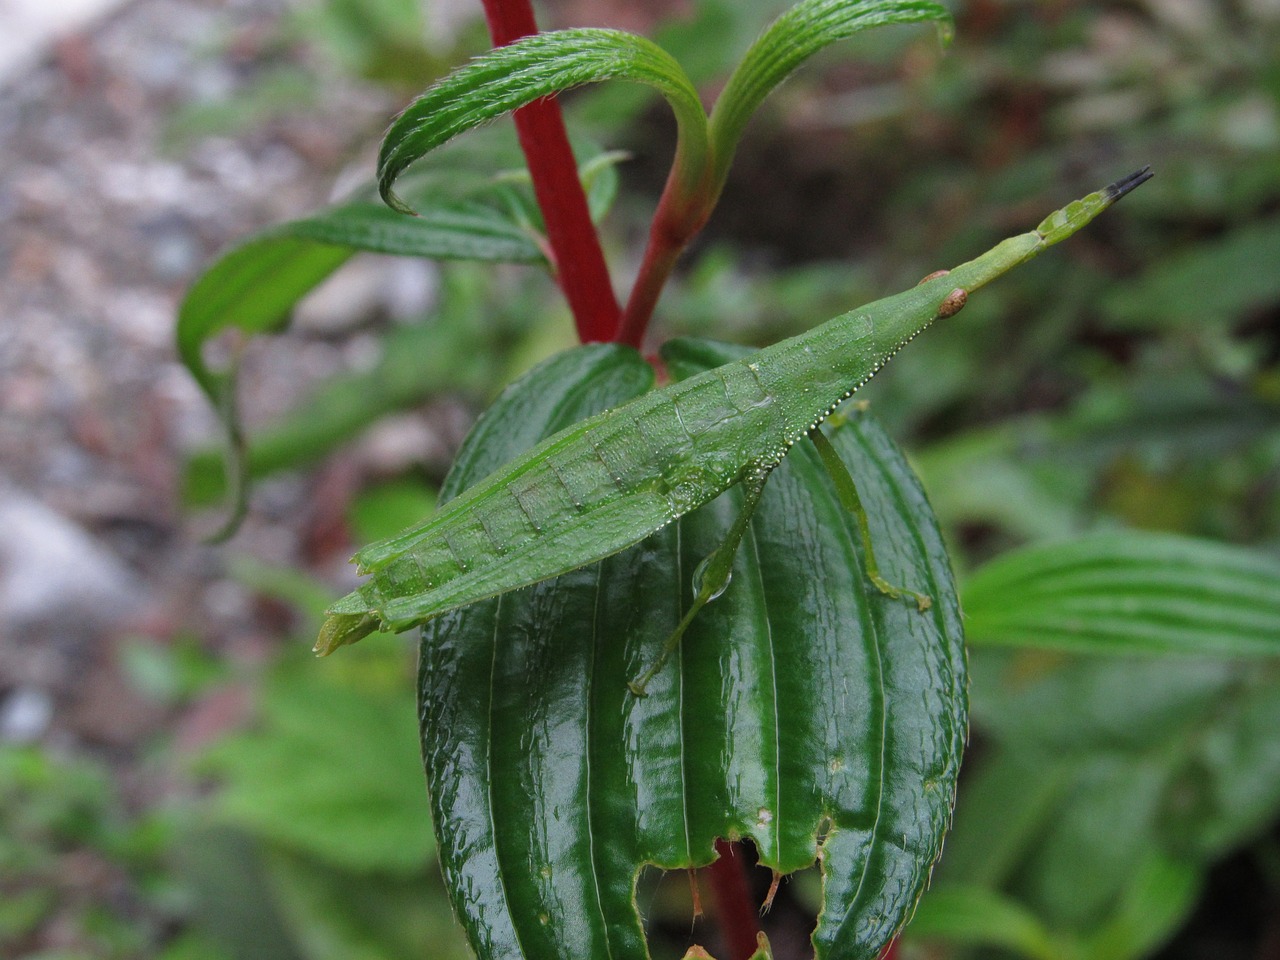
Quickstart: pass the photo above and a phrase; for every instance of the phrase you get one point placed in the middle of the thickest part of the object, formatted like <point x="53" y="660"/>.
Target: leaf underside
<point x="803" y="709"/>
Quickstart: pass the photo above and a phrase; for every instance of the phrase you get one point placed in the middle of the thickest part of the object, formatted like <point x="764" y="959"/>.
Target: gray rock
<point x="53" y="572"/>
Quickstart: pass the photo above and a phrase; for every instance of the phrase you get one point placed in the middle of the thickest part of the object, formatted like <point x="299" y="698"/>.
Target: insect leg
<point x="710" y="578"/>
<point x="847" y="491"/>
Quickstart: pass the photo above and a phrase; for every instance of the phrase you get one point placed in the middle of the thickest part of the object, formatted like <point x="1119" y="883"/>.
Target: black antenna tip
<point x="1125" y="184"/>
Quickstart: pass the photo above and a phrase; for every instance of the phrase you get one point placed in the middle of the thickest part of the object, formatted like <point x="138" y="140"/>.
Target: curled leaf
<point x="533" y="67"/>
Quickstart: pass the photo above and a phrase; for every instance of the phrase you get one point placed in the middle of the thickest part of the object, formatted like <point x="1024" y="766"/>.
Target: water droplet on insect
<point x="700" y="574"/>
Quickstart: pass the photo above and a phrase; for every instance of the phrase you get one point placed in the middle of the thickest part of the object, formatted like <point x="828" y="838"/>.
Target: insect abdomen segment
<point x="607" y="482"/>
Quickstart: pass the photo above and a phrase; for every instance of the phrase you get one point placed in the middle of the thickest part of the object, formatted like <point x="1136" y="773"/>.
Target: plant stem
<point x="579" y="262"/>
<point x="736" y="914"/>
<point x="681" y="213"/>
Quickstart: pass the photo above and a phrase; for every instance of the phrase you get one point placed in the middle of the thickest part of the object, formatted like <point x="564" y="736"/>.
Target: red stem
<point x="739" y="923"/>
<point x="682" y="212"/>
<point x="579" y="262"/>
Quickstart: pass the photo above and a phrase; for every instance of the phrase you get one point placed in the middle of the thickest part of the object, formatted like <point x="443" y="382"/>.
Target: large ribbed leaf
<point x="804" y="709"/>
<point x="1129" y="592"/>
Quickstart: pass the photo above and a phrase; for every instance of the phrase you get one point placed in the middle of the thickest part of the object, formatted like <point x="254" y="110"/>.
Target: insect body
<point x="607" y="482"/>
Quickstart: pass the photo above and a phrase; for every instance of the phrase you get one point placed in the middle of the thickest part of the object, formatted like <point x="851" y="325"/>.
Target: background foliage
<point x="1112" y="807"/>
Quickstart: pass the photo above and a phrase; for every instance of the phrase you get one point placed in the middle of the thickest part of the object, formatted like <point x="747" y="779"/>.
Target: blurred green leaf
<point x="1129" y="592"/>
<point x="1152" y="908"/>
<point x="169" y="672"/>
<point x="1107" y="777"/>
<point x="334" y="772"/>
<point x="344" y="916"/>
<point x="973" y="916"/>
<point x="385" y="510"/>
<point x="254" y="285"/>
<point x="295" y="587"/>
<point x="232" y="898"/>
<point x="1212" y="282"/>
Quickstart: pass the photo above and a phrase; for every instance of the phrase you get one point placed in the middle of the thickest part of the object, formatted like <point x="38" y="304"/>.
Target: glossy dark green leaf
<point x="803" y="708"/>
<point x="1129" y="592"/>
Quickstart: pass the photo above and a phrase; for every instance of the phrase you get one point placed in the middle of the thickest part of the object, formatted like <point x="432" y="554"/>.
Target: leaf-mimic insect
<point x="607" y="482"/>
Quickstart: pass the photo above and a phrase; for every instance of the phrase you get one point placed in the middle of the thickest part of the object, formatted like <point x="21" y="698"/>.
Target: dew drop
<point x="700" y="574"/>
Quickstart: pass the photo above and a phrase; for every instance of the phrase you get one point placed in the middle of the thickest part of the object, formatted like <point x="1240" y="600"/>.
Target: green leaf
<point x="1215" y="281"/>
<point x="253" y="287"/>
<point x="974" y="917"/>
<point x="792" y="39"/>
<point x="1094" y="766"/>
<point x="352" y="798"/>
<point x="1151" y="910"/>
<point x="1129" y="592"/>
<point x="332" y="915"/>
<point x="533" y="67"/>
<point x="418" y="360"/>
<point x="803" y="708"/>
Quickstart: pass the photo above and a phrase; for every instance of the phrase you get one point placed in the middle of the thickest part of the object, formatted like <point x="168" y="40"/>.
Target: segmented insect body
<point x="611" y="480"/>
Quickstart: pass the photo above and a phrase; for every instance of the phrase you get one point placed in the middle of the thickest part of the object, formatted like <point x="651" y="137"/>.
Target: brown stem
<point x="580" y="268"/>
<point x="736" y="914"/>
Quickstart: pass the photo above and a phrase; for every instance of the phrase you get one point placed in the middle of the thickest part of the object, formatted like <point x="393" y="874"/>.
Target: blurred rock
<point x="369" y="287"/>
<point x="52" y="572"/>
<point x="25" y="715"/>
<point x="27" y="26"/>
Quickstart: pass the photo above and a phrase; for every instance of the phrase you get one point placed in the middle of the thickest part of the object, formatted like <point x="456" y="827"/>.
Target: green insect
<point x="609" y="481"/>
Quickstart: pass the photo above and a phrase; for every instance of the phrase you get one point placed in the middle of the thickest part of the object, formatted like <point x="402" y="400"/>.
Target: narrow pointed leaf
<point x="803" y="708"/>
<point x="541" y="65"/>
<point x="1129" y="592"/>
<point x="254" y="286"/>
<point x="792" y="39"/>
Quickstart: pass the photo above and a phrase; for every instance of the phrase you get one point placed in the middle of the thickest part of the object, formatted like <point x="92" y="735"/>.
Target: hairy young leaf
<point x="803" y="708"/>
<point x="537" y="66"/>
<point x="1129" y="592"/>
<point x="792" y="39"/>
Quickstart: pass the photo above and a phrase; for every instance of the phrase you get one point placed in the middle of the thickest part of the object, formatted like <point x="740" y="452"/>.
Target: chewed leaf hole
<point x="680" y="911"/>
<point x="666" y="903"/>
